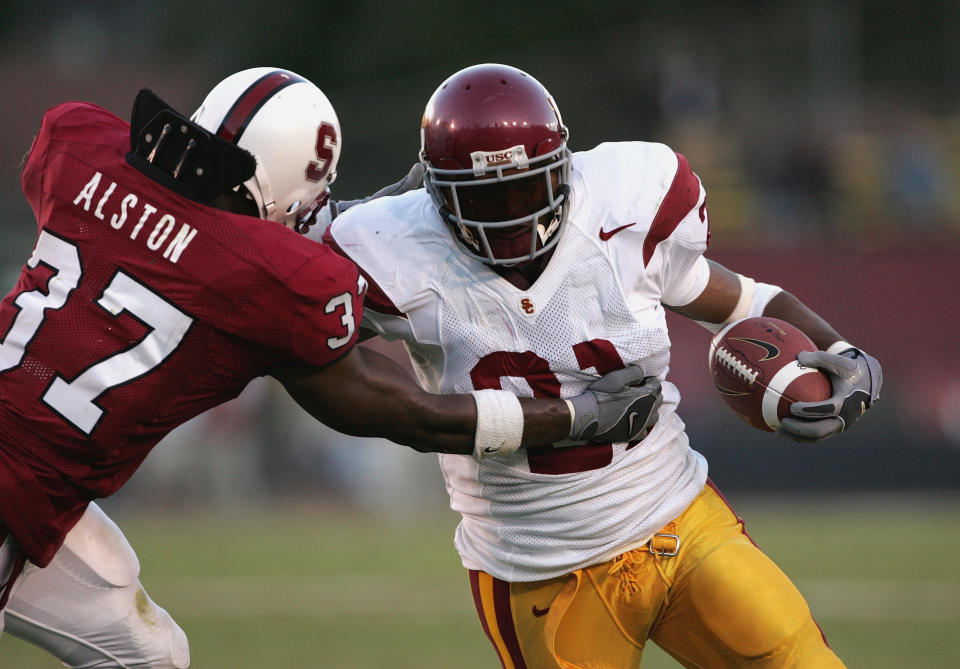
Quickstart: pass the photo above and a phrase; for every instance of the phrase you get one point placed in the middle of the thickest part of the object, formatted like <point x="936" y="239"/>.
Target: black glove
<point x="412" y="181"/>
<point x="856" y="379"/>
<point x="619" y="406"/>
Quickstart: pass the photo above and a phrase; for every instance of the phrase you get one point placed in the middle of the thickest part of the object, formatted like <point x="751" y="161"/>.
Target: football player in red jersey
<point x="525" y="266"/>
<point x="165" y="277"/>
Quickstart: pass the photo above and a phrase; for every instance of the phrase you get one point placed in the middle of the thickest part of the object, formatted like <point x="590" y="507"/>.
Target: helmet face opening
<point x="510" y="214"/>
<point x="496" y="163"/>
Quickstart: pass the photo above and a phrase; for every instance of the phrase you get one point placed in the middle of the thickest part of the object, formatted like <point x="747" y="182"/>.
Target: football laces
<point x="731" y="362"/>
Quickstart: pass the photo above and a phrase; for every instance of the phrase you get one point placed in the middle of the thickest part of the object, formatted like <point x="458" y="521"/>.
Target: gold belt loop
<point x="662" y="549"/>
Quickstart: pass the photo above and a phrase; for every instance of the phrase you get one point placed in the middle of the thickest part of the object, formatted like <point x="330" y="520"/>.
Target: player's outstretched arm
<point x="855" y="376"/>
<point x="367" y="394"/>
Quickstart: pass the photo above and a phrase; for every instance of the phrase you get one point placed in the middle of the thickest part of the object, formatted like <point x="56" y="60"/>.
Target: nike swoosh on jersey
<point x="539" y="612"/>
<point x="604" y="235"/>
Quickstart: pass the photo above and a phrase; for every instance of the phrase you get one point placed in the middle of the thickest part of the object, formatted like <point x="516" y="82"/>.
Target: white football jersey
<point x="634" y="238"/>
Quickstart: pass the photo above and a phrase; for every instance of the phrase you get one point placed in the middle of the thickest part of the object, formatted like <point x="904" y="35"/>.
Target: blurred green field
<point x="327" y="588"/>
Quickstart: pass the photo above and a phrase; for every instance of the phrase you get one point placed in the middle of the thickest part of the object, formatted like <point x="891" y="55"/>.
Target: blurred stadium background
<point x="827" y="134"/>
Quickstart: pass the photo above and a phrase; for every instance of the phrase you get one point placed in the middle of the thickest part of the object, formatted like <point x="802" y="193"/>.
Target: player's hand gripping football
<point x="619" y="406"/>
<point x="856" y="379"/>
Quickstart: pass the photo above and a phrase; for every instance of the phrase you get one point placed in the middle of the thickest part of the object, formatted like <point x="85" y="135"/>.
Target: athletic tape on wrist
<point x="499" y="423"/>
<point x="839" y="347"/>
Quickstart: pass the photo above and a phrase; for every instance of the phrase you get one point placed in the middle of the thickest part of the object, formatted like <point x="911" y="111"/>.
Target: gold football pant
<point x="701" y="589"/>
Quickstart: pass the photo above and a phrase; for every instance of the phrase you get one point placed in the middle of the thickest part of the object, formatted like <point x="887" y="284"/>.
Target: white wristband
<point x="762" y="294"/>
<point x="839" y="347"/>
<point x="499" y="423"/>
<point x="754" y="298"/>
<point x="742" y="310"/>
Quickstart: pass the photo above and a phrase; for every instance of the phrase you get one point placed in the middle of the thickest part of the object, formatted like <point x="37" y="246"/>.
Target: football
<point x="753" y="363"/>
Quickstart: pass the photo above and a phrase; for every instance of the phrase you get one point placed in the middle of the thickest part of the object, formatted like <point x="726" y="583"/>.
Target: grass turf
<point x="326" y="588"/>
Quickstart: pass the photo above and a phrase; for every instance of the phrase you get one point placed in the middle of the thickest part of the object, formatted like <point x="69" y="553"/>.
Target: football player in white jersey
<point x="524" y="266"/>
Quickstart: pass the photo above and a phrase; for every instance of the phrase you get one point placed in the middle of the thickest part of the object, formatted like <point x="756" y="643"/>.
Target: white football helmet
<point x="290" y="127"/>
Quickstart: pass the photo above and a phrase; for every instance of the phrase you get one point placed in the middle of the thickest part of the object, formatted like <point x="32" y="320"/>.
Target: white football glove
<point x="619" y="406"/>
<point x="856" y="379"/>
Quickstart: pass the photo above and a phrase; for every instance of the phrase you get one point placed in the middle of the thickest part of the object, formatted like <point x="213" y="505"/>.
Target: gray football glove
<point x="856" y="379"/>
<point x="412" y="181"/>
<point x="619" y="406"/>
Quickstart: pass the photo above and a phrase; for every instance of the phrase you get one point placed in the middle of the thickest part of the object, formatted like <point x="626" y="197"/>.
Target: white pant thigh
<point x="87" y="606"/>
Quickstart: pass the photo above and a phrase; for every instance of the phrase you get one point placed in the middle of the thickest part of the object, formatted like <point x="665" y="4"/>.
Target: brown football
<point x="754" y="367"/>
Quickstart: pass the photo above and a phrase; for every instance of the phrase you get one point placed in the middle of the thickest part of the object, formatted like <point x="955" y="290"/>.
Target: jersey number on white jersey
<point x="597" y="353"/>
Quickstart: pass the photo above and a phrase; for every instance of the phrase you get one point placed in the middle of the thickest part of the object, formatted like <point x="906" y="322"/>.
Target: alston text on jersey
<point x="138" y="310"/>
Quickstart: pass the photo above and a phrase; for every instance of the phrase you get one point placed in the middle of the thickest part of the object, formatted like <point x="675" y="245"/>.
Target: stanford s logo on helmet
<point x="494" y="150"/>
<point x="290" y="127"/>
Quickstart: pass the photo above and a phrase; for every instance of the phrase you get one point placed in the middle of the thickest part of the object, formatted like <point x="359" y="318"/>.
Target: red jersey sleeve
<point x="327" y="328"/>
<point x="79" y="121"/>
<point x="31" y="178"/>
<point x="315" y="317"/>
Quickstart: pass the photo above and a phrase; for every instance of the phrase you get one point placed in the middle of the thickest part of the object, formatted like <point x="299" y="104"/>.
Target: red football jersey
<point x="138" y="310"/>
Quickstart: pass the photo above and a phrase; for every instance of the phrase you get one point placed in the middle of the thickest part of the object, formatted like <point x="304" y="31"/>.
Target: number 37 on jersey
<point x="74" y="400"/>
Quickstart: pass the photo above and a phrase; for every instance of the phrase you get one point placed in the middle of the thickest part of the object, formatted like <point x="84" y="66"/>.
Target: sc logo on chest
<point x="527" y="307"/>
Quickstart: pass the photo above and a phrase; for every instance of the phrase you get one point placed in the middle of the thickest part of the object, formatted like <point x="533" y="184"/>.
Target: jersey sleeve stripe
<point x="680" y="199"/>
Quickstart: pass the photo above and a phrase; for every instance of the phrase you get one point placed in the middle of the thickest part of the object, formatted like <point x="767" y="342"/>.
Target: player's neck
<point x="524" y="275"/>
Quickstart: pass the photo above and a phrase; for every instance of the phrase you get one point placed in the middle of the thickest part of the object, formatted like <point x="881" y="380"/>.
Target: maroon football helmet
<point x="494" y="150"/>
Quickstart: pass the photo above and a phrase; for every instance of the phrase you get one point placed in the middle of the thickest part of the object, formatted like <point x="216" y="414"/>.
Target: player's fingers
<point x="617" y="380"/>
<point x="414" y="178"/>
<point x="828" y="407"/>
<point x="650" y="386"/>
<point x="810" y="431"/>
<point x="838" y="365"/>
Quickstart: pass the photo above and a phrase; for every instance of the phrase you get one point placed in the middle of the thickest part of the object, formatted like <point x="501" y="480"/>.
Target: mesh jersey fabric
<point x="543" y="512"/>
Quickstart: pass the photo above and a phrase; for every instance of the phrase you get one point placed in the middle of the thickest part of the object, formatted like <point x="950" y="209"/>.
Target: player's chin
<point x="514" y="246"/>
